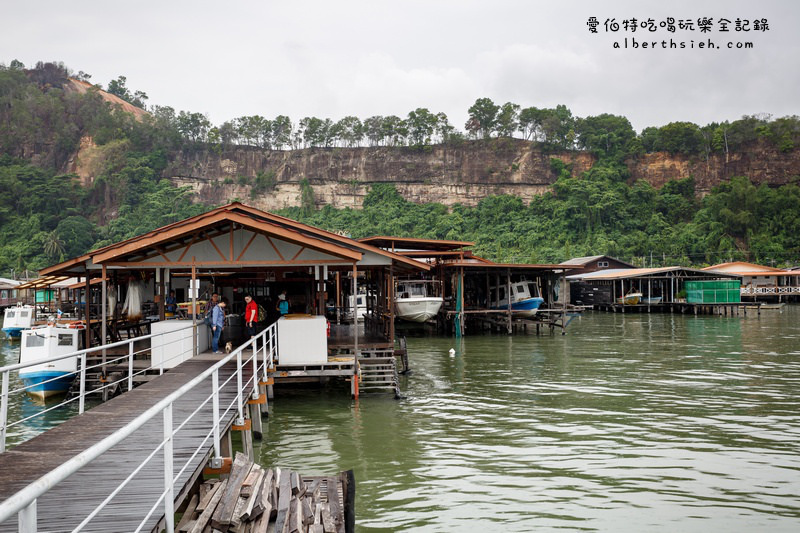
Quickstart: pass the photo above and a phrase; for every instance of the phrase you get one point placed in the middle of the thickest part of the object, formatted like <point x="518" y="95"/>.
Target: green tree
<point x="606" y="135"/>
<point x="482" y="118"/>
<point x="421" y="125"/>
<point x="507" y="119"/>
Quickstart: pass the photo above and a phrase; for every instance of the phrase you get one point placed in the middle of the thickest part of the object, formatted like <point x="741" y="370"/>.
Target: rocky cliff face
<point x="762" y="163"/>
<point x="463" y="174"/>
<point x="342" y="177"/>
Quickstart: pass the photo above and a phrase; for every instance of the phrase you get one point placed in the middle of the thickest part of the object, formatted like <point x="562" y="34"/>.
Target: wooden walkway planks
<point x="63" y="507"/>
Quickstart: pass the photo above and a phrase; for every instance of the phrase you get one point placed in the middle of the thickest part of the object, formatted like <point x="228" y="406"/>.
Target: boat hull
<point x="652" y="300"/>
<point x="526" y="308"/>
<point x="418" y="309"/>
<point x="43" y="384"/>
<point x="13" y="333"/>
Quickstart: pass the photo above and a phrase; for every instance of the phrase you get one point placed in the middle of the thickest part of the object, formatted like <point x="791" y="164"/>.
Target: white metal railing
<point x="82" y="369"/>
<point x="752" y="291"/>
<point x="262" y="355"/>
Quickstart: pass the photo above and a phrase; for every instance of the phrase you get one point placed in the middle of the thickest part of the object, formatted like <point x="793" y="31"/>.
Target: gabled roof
<point x="583" y="261"/>
<point x="233" y="214"/>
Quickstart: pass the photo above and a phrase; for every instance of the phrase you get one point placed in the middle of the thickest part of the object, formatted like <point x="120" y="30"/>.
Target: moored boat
<point x="650" y="300"/>
<point x="49" y="378"/>
<point x="17" y="319"/>
<point x="415" y="301"/>
<point x="525" y="299"/>
<point x="632" y="298"/>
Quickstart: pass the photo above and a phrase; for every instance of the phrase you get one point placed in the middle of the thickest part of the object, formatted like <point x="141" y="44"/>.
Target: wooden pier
<point x="66" y="504"/>
<point x="722" y="309"/>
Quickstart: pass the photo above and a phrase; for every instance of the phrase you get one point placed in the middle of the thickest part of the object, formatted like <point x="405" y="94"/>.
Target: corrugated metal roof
<point x="622" y="273"/>
<point x="410" y="243"/>
<point x="744" y="268"/>
<point x="582" y="261"/>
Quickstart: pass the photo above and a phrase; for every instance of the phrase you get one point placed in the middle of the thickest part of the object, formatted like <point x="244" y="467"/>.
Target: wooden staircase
<point x="378" y="374"/>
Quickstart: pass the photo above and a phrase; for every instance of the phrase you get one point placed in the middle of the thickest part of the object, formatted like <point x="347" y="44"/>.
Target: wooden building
<point x="233" y="250"/>
<point x="472" y="286"/>
<point x="761" y="282"/>
<point x="9" y="293"/>
<point x="660" y="288"/>
<point x="583" y="265"/>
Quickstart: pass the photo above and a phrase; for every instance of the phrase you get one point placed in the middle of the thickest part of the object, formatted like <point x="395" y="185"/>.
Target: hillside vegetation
<point x="47" y="216"/>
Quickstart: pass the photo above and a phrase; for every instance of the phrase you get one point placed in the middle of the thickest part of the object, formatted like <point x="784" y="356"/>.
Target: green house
<point x="713" y="292"/>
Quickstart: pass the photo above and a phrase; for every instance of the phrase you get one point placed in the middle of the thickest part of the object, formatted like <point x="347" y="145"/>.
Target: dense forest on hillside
<point x="47" y="217"/>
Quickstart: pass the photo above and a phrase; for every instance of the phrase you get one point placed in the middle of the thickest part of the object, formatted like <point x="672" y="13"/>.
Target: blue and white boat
<point x="17" y="319"/>
<point x="525" y="299"/>
<point x="49" y="378"/>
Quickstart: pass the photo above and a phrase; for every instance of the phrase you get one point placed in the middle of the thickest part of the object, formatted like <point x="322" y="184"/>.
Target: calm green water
<point x="628" y="423"/>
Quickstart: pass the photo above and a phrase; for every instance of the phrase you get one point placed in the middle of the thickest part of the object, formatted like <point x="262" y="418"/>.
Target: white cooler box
<point x="302" y="340"/>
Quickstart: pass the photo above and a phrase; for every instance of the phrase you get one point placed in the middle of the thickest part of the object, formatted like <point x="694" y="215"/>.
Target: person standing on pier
<point x="251" y="315"/>
<point x="171" y="303"/>
<point x="217" y="323"/>
<point x="283" y="304"/>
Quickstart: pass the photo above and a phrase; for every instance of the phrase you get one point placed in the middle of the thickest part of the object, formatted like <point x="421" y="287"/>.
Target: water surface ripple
<point x="628" y="423"/>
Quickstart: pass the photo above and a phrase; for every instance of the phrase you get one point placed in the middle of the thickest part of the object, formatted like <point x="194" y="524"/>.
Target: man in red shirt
<point x="251" y="316"/>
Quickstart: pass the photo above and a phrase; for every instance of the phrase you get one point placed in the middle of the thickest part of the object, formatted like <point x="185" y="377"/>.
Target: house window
<point x="602" y="264"/>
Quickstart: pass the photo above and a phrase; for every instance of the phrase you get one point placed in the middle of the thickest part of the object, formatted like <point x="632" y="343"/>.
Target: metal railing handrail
<point x="19" y="366"/>
<point x="80" y="372"/>
<point x="23" y="502"/>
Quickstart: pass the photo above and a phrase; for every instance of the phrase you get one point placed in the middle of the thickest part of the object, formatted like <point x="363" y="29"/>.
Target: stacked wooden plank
<point x="257" y="500"/>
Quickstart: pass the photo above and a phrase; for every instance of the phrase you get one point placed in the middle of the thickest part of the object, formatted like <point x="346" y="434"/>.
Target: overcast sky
<point x="333" y="58"/>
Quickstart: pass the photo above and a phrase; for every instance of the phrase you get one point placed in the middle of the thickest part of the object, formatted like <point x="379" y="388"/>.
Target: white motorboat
<point x="415" y="301"/>
<point x="49" y="378"/>
<point x="18" y="318"/>
<point x="525" y="299"/>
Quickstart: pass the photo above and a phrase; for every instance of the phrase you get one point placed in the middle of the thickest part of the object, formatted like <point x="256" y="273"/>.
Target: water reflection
<point x="629" y="423"/>
<point x="21" y="405"/>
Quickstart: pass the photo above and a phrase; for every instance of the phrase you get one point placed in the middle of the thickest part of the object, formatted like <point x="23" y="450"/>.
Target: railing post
<point x="82" y="396"/>
<point x="27" y="518"/>
<point x="130" y="366"/>
<point x="169" y="497"/>
<point x="267" y="351"/>
<point x="216" y="462"/>
<point x="240" y="421"/>
<point x="3" y="412"/>
<point x="255" y="368"/>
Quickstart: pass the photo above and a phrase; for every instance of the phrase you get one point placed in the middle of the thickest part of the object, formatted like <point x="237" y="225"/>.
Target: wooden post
<point x="463" y="308"/>
<point x="104" y="315"/>
<point x="194" y="309"/>
<point x="162" y="309"/>
<point x="255" y="416"/>
<point x="355" y="311"/>
<point x="87" y="293"/>
<point x="338" y="297"/>
<point x="391" y="302"/>
<point x="508" y="299"/>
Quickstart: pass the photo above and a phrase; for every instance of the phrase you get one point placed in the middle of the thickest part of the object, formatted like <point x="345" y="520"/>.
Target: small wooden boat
<point x="632" y="298"/>
<point x="650" y="300"/>
<point x="44" y="342"/>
